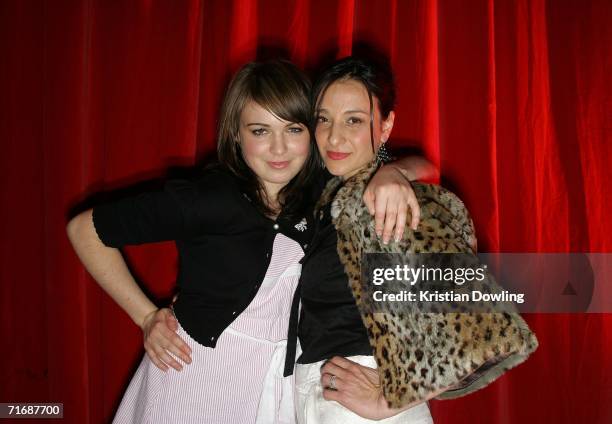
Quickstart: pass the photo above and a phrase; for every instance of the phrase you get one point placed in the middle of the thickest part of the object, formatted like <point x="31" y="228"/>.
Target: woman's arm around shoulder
<point x="390" y="197"/>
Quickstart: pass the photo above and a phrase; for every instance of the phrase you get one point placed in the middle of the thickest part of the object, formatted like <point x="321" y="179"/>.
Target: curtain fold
<point x="511" y="99"/>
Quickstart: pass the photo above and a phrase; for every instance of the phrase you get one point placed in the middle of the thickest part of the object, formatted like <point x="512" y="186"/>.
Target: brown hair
<point x="281" y="88"/>
<point x="373" y="71"/>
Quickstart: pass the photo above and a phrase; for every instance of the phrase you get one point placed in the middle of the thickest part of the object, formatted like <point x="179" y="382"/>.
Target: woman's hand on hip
<point x="355" y="387"/>
<point x="160" y="339"/>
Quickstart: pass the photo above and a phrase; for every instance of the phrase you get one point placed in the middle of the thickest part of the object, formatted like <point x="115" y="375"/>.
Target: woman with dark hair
<point x="241" y="229"/>
<point x="343" y="339"/>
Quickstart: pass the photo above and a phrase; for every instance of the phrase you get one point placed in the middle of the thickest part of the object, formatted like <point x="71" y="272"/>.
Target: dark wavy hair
<point x="284" y="90"/>
<point x="374" y="72"/>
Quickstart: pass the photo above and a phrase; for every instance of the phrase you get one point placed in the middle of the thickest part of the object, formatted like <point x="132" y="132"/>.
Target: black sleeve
<point x="183" y="209"/>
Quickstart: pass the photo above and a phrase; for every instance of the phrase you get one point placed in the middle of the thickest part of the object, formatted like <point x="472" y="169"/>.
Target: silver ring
<point x="332" y="382"/>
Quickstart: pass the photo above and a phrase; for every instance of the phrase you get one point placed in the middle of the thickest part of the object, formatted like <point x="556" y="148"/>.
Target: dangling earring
<point x="383" y="154"/>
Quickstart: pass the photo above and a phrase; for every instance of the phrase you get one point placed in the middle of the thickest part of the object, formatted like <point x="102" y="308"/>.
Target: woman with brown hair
<point x="361" y="364"/>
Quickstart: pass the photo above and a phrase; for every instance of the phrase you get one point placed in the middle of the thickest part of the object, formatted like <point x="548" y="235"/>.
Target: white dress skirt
<point x="241" y="379"/>
<point x="312" y="408"/>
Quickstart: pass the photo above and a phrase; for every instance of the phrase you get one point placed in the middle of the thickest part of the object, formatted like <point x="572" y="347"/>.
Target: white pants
<point x="312" y="408"/>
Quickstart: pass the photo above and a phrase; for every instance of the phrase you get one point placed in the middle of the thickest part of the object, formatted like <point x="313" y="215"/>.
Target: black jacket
<point x="224" y="244"/>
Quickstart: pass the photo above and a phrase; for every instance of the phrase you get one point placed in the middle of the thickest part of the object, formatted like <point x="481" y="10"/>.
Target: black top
<point x="329" y="321"/>
<point x="224" y="244"/>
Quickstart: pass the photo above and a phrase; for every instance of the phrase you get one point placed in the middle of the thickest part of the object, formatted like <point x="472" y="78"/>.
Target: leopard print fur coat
<point x="424" y="353"/>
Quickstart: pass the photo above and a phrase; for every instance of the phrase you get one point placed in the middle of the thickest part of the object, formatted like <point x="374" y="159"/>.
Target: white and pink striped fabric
<point x="239" y="381"/>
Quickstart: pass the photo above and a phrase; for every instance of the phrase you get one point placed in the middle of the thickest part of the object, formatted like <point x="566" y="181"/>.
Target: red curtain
<point x="511" y="98"/>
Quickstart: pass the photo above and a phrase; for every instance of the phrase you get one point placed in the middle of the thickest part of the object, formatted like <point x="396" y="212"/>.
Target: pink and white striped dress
<point x="241" y="379"/>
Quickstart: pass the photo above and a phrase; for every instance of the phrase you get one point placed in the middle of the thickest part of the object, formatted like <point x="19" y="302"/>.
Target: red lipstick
<point x="336" y="155"/>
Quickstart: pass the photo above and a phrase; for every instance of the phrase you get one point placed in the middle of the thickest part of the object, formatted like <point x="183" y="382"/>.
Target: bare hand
<point x="357" y="388"/>
<point x="390" y="198"/>
<point x="160" y="339"/>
